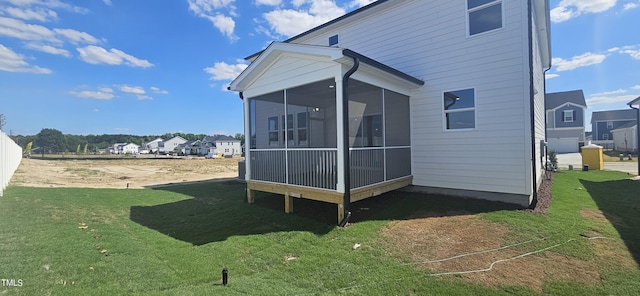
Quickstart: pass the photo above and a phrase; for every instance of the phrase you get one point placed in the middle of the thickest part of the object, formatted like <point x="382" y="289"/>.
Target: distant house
<point x="565" y="120"/>
<point x="152" y="146"/>
<point x="223" y="144"/>
<point x="170" y="145"/>
<point x="624" y="137"/>
<point x="125" y="148"/>
<point x="603" y="122"/>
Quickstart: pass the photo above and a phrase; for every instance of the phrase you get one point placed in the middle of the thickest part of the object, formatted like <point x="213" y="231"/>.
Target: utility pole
<point x="631" y="105"/>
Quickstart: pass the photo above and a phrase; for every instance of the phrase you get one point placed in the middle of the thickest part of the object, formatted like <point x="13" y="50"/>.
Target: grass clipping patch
<point x="430" y="237"/>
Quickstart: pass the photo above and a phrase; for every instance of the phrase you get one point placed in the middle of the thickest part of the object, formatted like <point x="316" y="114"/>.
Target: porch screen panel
<point x="397" y="123"/>
<point x="398" y="163"/>
<point x="267" y="112"/>
<point x="312" y="109"/>
<point x="365" y="115"/>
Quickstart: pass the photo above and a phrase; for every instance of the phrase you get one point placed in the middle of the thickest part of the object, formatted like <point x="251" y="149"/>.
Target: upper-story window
<point x="568" y="115"/>
<point x="609" y="124"/>
<point x="484" y="15"/>
<point x="460" y="109"/>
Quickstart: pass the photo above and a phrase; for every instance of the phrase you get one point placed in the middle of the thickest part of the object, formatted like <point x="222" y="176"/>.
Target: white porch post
<point x="340" y="134"/>
<point x="247" y="139"/>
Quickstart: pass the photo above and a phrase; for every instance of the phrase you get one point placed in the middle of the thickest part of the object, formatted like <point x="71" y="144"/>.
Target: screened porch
<point x="325" y="124"/>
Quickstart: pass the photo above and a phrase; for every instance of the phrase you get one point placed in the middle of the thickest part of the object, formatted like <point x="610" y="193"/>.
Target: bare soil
<point x="122" y="172"/>
<point x="424" y="240"/>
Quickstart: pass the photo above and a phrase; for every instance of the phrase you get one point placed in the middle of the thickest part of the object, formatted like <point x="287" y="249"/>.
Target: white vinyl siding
<point x="496" y="156"/>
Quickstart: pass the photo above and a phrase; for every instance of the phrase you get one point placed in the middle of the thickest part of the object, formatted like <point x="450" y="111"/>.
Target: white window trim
<point x="474" y="109"/>
<point x="564" y="116"/>
<point x="609" y="124"/>
<point x="468" y="11"/>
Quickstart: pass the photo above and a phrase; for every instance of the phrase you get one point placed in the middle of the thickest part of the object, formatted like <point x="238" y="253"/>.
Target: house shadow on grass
<point x="217" y="211"/>
<point x="619" y="202"/>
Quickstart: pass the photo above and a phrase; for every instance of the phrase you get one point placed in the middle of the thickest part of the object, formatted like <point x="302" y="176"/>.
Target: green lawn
<point x="176" y="241"/>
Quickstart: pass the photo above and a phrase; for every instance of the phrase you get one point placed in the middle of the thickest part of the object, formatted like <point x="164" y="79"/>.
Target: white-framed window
<point x="605" y="136"/>
<point x="459" y="109"/>
<point x="484" y="16"/>
<point x="273" y="131"/>
<point x="567" y="116"/>
<point x="609" y="124"/>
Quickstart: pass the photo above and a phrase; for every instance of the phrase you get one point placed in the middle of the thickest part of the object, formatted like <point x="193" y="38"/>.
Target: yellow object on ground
<point x="592" y="156"/>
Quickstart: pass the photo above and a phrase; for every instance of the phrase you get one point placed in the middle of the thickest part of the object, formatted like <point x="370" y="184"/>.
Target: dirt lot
<point x="121" y="172"/>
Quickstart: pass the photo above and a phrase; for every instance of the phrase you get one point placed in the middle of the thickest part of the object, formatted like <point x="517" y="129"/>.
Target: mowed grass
<point x="176" y="240"/>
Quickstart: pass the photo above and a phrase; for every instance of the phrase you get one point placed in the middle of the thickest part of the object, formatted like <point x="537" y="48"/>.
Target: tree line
<point x="54" y="141"/>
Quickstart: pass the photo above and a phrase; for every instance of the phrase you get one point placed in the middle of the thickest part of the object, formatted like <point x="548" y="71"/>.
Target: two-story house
<point x="603" y="122"/>
<point x="565" y="120"/>
<point x="444" y="95"/>
<point x="225" y="145"/>
<point x="169" y="146"/>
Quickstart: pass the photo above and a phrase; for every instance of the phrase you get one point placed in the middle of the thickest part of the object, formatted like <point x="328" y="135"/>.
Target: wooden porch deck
<point x="292" y="191"/>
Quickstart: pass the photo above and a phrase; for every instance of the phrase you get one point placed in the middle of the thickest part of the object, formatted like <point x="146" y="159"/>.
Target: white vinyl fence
<point x="10" y="157"/>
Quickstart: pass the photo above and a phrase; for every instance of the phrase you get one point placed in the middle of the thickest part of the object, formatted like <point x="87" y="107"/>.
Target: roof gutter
<point x="346" y="202"/>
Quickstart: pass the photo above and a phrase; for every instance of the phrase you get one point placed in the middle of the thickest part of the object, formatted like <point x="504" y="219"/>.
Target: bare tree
<point x="2" y="121"/>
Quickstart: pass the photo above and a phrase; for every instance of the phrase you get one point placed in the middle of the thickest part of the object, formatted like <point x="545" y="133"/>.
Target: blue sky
<point x="149" y="67"/>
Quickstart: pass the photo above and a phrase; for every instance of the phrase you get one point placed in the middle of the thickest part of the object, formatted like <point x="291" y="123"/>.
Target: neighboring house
<point x="625" y="137"/>
<point x="223" y="144"/>
<point x="565" y="121"/>
<point x="444" y="95"/>
<point x="125" y="148"/>
<point x="116" y="148"/>
<point x="603" y="122"/>
<point x="153" y="145"/>
<point x="169" y="146"/>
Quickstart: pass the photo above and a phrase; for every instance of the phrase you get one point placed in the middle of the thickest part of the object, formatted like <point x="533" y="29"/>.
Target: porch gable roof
<point x="335" y="54"/>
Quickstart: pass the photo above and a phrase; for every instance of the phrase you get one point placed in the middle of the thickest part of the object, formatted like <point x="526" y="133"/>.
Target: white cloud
<point x="308" y="14"/>
<point x="360" y="3"/>
<point x="210" y="9"/>
<point x="106" y="89"/>
<point x="98" y="55"/>
<point x="595" y="100"/>
<point x="10" y="61"/>
<point x="225" y="24"/>
<point x="18" y="29"/>
<point x="108" y="2"/>
<point x="96" y="110"/>
<point x="224" y="71"/>
<point x="89" y="94"/>
<point x="158" y="90"/>
<point x="575" y="62"/>
<point x="48" y="49"/>
<point x="38" y="14"/>
<point x="268" y="2"/>
<point x="144" y="97"/>
<point x="568" y="9"/>
<point x="630" y="5"/>
<point x="550" y="76"/>
<point x="634" y="53"/>
<point x="137" y="90"/>
<point x="76" y="36"/>
<point x="49" y="4"/>
<point x="636" y="86"/>
<point x="607" y="93"/>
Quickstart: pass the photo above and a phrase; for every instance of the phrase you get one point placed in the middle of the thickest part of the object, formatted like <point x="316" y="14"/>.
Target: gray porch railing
<point x="317" y="168"/>
<point x="367" y="167"/>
